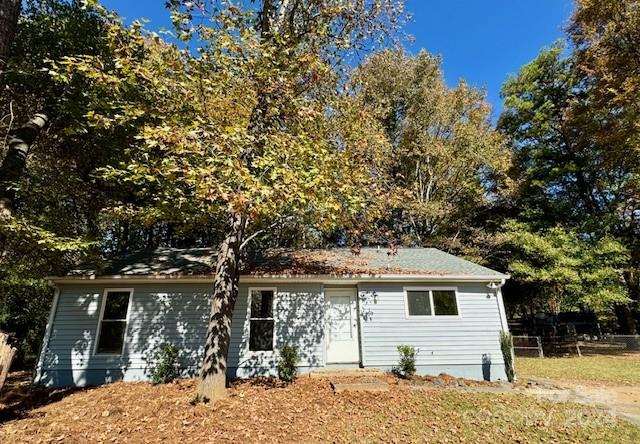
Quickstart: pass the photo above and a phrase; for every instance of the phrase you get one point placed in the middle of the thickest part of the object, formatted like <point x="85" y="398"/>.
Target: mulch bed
<point x="265" y="410"/>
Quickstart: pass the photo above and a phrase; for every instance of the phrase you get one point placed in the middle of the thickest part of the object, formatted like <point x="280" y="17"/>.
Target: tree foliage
<point x="567" y="272"/>
<point x="565" y="174"/>
<point x="446" y="157"/>
<point x="198" y="155"/>
<point x="607" y="36"/>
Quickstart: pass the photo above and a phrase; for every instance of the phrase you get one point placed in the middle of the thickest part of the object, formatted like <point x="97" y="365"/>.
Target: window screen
<point x="113" y="324"/>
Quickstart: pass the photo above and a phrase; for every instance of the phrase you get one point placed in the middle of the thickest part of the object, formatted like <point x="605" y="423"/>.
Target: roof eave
<point x="351" y="278"/>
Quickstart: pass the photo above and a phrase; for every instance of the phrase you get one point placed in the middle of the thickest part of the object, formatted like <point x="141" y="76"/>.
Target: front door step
<point x="359" y="385"/>
<point x="346" y="372"/>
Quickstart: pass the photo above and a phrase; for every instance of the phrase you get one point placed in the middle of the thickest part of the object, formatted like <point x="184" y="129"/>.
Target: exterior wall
<point x="465" y="346"/>
<point x="175" y="313"/>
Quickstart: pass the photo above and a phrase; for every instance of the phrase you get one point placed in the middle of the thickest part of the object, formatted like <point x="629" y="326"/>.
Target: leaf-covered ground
<point x="606" y="369"/>
<point x="307" y="411"/>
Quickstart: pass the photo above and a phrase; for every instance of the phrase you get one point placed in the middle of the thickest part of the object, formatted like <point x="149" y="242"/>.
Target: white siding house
<point x="339" y="310"/>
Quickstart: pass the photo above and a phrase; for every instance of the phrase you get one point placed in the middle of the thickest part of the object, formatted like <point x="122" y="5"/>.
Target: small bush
<point x="165" y="368"/>
<point x="407" y="365"/>
<point x="288" y="363"/>
<point x="506" y="344"/>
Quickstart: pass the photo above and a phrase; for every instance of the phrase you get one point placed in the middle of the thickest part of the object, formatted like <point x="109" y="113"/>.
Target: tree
<point x="49" y="29"/>
<point x="564" y="171"/>
<point x="556" y="162"/>
<point x="9" y="13"/>
<point x="607" y="37"/>
<point x="249" y="127"/>
<point x="567" y="272"/>
<point x="56" y="200"/>
<point x="446" y="155"/>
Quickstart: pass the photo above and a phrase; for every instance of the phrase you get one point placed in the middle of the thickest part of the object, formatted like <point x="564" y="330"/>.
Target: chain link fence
<point x="609" y="344"/>
<point x="614" y="345"/>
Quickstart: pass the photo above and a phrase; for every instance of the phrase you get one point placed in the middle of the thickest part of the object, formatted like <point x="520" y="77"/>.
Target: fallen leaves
<point x="306" y="411"/>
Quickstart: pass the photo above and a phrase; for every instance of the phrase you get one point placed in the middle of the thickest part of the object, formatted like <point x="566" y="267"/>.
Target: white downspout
<point x="503" y="313"/>
<point x="504" y="324"/>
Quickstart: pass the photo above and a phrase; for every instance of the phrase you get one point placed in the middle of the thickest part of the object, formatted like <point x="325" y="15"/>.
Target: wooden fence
<point x="529" y="346"/>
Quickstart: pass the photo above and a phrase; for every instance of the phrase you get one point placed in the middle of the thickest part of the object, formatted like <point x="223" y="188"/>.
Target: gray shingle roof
<point x="161" y="261"/>
<point x="338" y="261"/>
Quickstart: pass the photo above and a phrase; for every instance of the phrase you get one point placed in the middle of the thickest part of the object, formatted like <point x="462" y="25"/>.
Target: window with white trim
<point x="113" y="322"/>
<point x="261" y="320"/>
<point x="433" y="302"/>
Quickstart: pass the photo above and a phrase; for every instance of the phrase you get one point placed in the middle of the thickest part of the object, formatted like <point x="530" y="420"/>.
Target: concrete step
<point x="371" y="386"/>
<point x="345" y="372"/>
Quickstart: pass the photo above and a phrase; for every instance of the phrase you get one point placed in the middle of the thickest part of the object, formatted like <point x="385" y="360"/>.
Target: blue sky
<point x="481" y="41"/>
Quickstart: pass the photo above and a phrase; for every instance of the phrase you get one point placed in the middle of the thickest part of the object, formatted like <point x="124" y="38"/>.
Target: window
<point x="419" y="303"/>
<point x="339" y="317"/>
<point x="436" y="302"/>
<point x="261" y="320"/>
<point x="444" y="302"/>
<point x="113" y="322"/>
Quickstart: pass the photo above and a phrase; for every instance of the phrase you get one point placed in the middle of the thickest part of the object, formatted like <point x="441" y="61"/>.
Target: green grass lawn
<point x="606" y="369"/>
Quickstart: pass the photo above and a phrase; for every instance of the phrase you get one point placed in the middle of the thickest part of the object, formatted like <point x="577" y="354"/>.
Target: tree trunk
<point x="13" y="165"/>
<point x="9" y="13"/>
<point x="625" y="319"/>
<point x="212" y="384"/>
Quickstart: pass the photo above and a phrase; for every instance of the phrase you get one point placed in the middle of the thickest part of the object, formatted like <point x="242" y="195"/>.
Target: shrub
<point x="407" y="365"/>
<point x="506" y="344"/>
<point x="288" y="363"/>
<point x="165" y="364"/>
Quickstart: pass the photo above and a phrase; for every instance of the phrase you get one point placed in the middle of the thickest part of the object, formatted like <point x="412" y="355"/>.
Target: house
<point x="339" y="308"/>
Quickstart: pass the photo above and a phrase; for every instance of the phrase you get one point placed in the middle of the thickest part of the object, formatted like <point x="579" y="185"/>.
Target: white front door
<point x="342" y="325"/>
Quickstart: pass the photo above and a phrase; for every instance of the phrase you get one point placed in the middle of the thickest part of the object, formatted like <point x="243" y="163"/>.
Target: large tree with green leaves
<point x="564" y="271"/>
<point x="566" y="174"/>
<point x="49" y="30"/>
<point x="249" y="127"/>
<point x="606" y="34"/>
<point x="446" y="156"/>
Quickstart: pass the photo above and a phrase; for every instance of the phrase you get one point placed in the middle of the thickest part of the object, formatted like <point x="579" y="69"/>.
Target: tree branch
<point x="259" y="232"/>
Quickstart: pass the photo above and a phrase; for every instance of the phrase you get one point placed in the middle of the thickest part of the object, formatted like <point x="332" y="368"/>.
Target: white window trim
<point x="249" y="318"/>
<point x="433" y="315"/>
<point x="100" y="318"/>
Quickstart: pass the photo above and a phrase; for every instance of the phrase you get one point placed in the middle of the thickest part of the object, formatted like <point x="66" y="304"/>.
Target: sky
<point x="480" y="41"/>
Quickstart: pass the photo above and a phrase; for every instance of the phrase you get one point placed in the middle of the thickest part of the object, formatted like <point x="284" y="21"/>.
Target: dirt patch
<point x="360" y="386"/>
<point x="618" y="399"/>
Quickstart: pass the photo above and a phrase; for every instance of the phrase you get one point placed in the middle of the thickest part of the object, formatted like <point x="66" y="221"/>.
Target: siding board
<point x="177" y="313"/>
<point x="465" y="346"/>
<point x="174" y="313"/>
